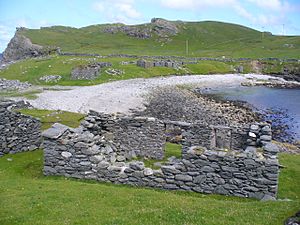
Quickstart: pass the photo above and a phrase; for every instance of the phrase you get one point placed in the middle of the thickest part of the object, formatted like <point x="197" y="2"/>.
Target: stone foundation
<point x="104" y="149"/>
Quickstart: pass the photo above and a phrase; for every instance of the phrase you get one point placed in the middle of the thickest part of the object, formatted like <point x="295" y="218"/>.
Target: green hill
<point x="158" y="38"/>
<point x="205" y="39"/>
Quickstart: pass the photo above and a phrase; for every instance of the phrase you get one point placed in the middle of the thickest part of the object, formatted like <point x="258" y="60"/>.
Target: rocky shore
<point x="180" y="104"/>
<point x="274" y="82"/>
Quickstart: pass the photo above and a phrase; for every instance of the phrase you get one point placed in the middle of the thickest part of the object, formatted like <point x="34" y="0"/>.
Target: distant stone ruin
<point x="162" y="63"/>
<point x="88" y="72"/>
<point x="13" y="85"/>
<point x="238" y="161"/>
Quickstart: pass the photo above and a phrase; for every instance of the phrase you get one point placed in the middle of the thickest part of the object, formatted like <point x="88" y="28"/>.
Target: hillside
<point x="162" y="37"/>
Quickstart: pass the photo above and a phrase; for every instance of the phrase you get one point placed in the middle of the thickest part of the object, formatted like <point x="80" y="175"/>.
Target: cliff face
<point x="20" y="47"/>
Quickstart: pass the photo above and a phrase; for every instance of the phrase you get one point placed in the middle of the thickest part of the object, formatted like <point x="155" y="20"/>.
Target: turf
<point x="207" y="38"/>
<point x="27" y="197"/>
<point x="32" y="69"/>
<point x="49" y="117"/>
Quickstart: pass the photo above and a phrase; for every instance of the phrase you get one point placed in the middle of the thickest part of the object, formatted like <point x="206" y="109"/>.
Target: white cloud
<point x="266" y="13"/>
<point x="98" y="6"/>
<point x="128" y="10"/>
<point x="244" y="13"/>
<point x="266" y="19"/>
<point x="118" y="10"/>
<point x="275" y="5"/>
<point x="196" y="4"/>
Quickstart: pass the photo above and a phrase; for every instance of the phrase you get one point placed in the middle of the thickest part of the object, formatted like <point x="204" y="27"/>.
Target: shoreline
<point x="125" y="95"/>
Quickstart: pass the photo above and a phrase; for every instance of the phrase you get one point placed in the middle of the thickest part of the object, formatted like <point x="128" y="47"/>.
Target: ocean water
<point x="262" y="98"/>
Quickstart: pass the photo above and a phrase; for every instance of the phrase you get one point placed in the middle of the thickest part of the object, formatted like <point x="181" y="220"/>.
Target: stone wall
<point x="208" y="136"/>
<point x="162" y="63"/>
<point x="90" y="152"/>
<point x="131" y="136"/>
<point x="88" y="72"/>
<point x="18" y="133"/>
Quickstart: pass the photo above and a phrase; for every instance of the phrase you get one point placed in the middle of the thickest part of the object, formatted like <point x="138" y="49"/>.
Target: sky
<point x="280" y="17"/>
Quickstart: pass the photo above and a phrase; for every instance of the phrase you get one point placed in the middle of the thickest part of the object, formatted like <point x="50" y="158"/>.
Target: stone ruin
<point x="88" y="72"/>
<point x="162" y="63"/>
<point x="18" y="132"/>
<point x="238" y="161"/>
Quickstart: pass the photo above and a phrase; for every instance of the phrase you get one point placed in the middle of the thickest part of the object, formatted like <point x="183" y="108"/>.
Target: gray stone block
<point x="55" y="131"/>
<point x="182" y="177"/>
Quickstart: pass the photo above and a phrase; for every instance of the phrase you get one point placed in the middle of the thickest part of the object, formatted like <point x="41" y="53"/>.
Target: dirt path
<point x="121" y="96"/>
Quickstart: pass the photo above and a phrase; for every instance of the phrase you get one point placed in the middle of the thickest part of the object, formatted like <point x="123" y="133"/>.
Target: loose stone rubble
<point x="114" y="72"/>
<point x="50" y="78"/>
<point x="13" y="85"/>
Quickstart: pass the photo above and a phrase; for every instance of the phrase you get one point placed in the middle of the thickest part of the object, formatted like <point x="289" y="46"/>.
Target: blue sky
<point x="276" y="16"/>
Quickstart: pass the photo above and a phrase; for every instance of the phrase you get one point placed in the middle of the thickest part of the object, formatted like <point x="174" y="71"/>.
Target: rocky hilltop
<point x="21" y="47"/>
<point x="158" y="26"/>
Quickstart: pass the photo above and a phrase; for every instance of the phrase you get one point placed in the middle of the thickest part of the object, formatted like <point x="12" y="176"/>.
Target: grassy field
<point x="27" y="197"/>
<point x="208" y="38"/>
<point x="32" y="69"/>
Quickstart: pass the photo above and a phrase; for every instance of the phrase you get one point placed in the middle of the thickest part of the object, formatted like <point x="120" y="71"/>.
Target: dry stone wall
<point x="131" y="136"/>
<point x="88" y="72"/>
<point x="95" y="151"/>
<point x="18" y="133"/>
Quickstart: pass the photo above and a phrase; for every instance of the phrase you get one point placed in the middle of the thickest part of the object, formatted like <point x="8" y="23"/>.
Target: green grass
<point x="27" y="197"/>
<point x="28" y="94"/>
<point x="207" y="38"/>
<point x="32" y="69"/>
<point x="49" y="117"/>
<point x="171" y="149"/>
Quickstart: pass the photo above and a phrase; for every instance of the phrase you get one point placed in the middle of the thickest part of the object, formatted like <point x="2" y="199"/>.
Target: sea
<point x="282" y="106"/>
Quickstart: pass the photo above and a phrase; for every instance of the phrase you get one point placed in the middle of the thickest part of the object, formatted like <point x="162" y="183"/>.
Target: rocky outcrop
<point x="158" y="26"/>
<point x="132" y="31"/>
<point x="272" y="82"/>
<point x="290" y="73"/>
<point x="21" y="47"/>
<point x="164" y="27"/>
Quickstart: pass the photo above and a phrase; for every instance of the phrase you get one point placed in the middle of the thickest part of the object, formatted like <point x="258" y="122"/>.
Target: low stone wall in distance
<point x="87" y="153"/>
<point x="18" y="132"/>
